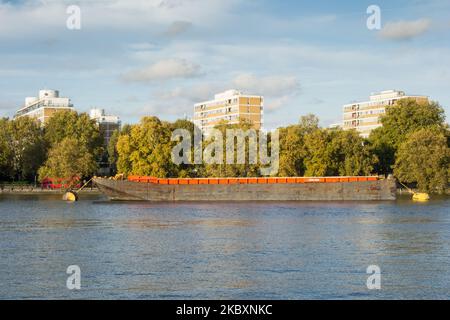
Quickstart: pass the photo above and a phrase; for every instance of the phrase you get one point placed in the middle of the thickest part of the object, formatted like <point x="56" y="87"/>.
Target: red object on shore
<point x="60" y="183"/>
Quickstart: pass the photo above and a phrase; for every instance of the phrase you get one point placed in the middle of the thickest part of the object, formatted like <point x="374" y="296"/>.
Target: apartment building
<point x="44" y="106"/>
<point x="107" y="123"/>
<point x="366" y="116"/>
<point x="231" y="107"/>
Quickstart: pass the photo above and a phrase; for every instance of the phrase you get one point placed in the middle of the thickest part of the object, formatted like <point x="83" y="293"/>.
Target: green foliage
<point x="119" y="150"/>
<point x="112" y="151"/>
<point x="146" y="150"/>
<point x="424" y="158"/>
<point x="68" y="159"/>
<point x="309" y="123"/>
<point x="352" y="155"/>
<point x="304" y="149"/>
<point x="309" y="150"/>
<point x="123" y="147"/>
<point x="6" y="152"/>
<point x="232" y="170"/>
<point x="292" y="151"/>
<point x="23" y="148"/>
<point x="401" y="119"/>
<point x="24" y="145"/>
<point x="337" y="153"/>
<point x="414" y="136"/>
<point x="83" y="140"/>
<point x="70" y="124"/>
<point x="188" y="170"/>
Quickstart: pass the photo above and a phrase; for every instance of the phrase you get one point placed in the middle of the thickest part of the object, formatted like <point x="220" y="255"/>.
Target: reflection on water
<point x="220" y="250"/>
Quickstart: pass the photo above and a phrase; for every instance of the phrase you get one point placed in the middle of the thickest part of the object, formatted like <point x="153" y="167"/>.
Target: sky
<point x="158" y="57"/>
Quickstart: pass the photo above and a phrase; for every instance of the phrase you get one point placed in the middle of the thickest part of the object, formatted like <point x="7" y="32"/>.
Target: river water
<point x="138" y="250"/>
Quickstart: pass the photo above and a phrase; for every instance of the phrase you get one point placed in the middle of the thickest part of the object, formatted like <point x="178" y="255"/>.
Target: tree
<point x="124" y="164"/>
<point x="309" y="123"/>
<point x="27" y="146"/>
<point x="146" y="150"/>
<point x="401" y="119"/>
<point x="6" y="153"/>
<point x="112" y="151"/>
<point x="65" y="124"/>
<point x="351" y="155"/>
<point x="69" y="159"/>
<point x="337" y="153"/>
<point x="245" y="169"/>
<point x="192" y="169"/>
<point x="424" y="158"/>
<point x="318" y="161"/>
<point x="293" y="150"/>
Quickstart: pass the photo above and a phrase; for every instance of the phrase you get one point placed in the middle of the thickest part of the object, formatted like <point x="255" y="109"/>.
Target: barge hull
<point x="356" y="191"/>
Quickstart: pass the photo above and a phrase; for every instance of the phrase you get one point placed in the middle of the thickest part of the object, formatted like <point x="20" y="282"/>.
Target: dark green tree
<point x="293" y="149"/>
<point x="70" y="124"/>
<point x="337" y="153"/>
<point x="27" y="146"/>
<point x="6" y="152"/>
<point x="112" y="151"/>
<point x="69" y="159"/>
<point x="234" y="169"/>
<point x="424" y="158"/>
<point x="401" y="119"/>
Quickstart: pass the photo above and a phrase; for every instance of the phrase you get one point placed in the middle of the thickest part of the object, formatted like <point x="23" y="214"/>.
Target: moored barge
<point x="248" y="189"/>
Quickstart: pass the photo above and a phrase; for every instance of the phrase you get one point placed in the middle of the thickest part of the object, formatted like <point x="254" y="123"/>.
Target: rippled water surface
<point x="289" y="250"/>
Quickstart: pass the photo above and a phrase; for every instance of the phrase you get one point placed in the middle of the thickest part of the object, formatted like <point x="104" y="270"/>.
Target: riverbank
<point x="403" y="191"/>
<point x="24" y="190"/>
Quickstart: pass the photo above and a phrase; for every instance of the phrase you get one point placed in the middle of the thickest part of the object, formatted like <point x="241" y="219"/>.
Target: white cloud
<point x="405" y="30"/>
<point x="272" y="105"/>
<point x="31" y="19"/>
<point x="178" y="27"/>
<point x="193" y="94"/>
<point x="38" y="18"/>
<point x="278" y="90"/>
<point x="163" y="70"/>
<point x="276" y="86"/>
<point x="143" y="46"/>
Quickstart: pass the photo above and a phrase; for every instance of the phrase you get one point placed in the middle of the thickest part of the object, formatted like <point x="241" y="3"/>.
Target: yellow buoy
<point x="421" y="197"/>
<point x="70" y="196"/>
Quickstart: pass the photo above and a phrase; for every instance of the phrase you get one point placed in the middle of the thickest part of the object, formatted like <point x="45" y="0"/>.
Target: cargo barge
<point x="248" y="189"/>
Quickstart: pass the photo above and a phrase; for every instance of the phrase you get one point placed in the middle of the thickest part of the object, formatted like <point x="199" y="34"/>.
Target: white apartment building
<point x="107" y="123"/>
<point x="44" y="106"/>
<point x="366" y="116"/>
<point x="230" y="106"/>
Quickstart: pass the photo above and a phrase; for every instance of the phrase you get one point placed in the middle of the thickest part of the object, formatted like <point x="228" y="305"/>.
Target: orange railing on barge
<point x="172" y="181"/>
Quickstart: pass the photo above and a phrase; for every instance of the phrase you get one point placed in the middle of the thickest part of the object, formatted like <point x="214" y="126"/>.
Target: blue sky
<point x="159" y="57"/>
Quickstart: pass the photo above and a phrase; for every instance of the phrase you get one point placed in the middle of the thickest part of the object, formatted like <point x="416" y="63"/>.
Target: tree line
<point x="413" y="145"/>
<point x="68" y="147"/>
